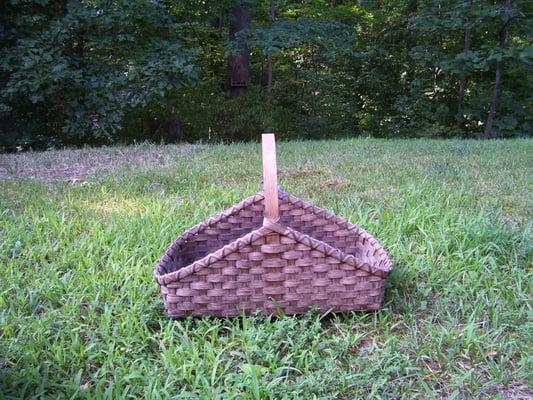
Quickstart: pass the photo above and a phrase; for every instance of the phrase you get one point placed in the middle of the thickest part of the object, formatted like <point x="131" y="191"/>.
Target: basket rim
<point x="271" y="227"/>
<point x="256" y="198"/>
<point x="268" y="227"/>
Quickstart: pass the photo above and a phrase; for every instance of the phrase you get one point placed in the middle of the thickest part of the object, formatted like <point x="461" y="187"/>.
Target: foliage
<point x="84" y="66"/>
<point x="98" y="71"/>
<point x="82" y="317"/>
<point x="440" y="54"/>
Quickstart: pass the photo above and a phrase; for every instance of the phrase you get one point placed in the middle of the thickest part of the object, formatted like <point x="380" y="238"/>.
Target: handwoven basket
<point x="272" y="251"/>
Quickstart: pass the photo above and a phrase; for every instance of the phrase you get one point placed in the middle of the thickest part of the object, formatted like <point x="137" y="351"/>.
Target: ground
<point x="81" y="316"/>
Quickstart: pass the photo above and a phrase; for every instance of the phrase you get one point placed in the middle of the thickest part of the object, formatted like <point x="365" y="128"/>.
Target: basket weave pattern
<point x="238" y="261"/>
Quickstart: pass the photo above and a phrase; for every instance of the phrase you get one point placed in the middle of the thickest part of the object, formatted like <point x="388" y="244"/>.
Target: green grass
<point x="81" y="316"/>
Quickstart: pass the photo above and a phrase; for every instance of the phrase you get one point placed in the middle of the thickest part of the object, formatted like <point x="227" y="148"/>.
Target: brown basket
<point x="272" y="251"/>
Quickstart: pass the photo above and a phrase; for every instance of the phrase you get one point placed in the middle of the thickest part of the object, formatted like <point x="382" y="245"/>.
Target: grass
<point x="81" y="316"/>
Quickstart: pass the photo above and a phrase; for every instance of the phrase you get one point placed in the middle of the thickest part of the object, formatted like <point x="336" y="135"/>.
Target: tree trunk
<point x="272" y="14"/>
<point x="172" y="125"/>
<point x="464" y="78"/>
<point x="412" y="7"/>
<point x="60" y="8"/>
<point x="498" y="79"/>
<point x="6" y="123"/>
<point x="174" y="131"/>
<point x="493" y="101"/>
<point x="238" y="70"/>
<point x="220" y="23"/>
<point x="269" y="73"/>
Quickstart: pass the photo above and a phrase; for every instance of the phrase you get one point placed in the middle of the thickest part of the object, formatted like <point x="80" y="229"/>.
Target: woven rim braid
<point x="291" y="270"/>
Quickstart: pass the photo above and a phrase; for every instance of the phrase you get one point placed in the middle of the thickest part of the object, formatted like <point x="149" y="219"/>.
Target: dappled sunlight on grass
<point x="125" y="207"/>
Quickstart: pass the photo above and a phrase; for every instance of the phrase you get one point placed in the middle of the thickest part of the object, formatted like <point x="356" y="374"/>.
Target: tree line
<point x="102" y="71"/>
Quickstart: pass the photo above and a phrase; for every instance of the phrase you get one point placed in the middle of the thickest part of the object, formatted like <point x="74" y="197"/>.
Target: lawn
<point x="81" y="316"/>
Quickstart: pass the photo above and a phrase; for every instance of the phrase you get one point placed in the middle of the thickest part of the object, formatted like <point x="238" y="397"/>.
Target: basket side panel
<point x="273" y="271"/>
<point x="217" y="236"/>
<point x="320" y="228"/>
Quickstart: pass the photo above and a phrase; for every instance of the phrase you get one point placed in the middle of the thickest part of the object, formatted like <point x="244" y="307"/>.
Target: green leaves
<point x="327" y="35"/>
<point x="96" y="62"/>
<point x="98" y="71"/>
<point x="526" y="55"/>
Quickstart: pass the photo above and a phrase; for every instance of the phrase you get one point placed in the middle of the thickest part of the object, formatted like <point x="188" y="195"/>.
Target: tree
<point x="100" y="71"/>
<point x="238" y="70"/>
<point x="464" y="75"/>
<point x="89" y="63"/>
<point x="488" y="133"/>
<point x="270" y="67"/>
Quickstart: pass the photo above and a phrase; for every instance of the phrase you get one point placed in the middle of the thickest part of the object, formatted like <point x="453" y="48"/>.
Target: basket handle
<point x="270" y="177"/>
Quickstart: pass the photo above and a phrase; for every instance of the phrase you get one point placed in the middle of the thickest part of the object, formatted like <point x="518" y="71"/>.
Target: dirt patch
<point x="333" y="183"/>
<point x="78" y="164"/>
<point x="516" y="390"/>
<point x="308" y="169"/>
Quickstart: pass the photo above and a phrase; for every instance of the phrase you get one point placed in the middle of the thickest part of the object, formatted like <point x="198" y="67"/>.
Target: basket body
<point x="238" y="261"/>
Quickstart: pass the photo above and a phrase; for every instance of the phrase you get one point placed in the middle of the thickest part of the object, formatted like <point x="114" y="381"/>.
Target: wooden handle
<point x="270" y="177"/>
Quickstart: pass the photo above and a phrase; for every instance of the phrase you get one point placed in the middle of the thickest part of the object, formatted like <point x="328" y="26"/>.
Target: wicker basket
<point x="272" y="251"/>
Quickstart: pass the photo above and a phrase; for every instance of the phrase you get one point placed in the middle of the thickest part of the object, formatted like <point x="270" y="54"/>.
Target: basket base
<point x="271" y="311"/>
